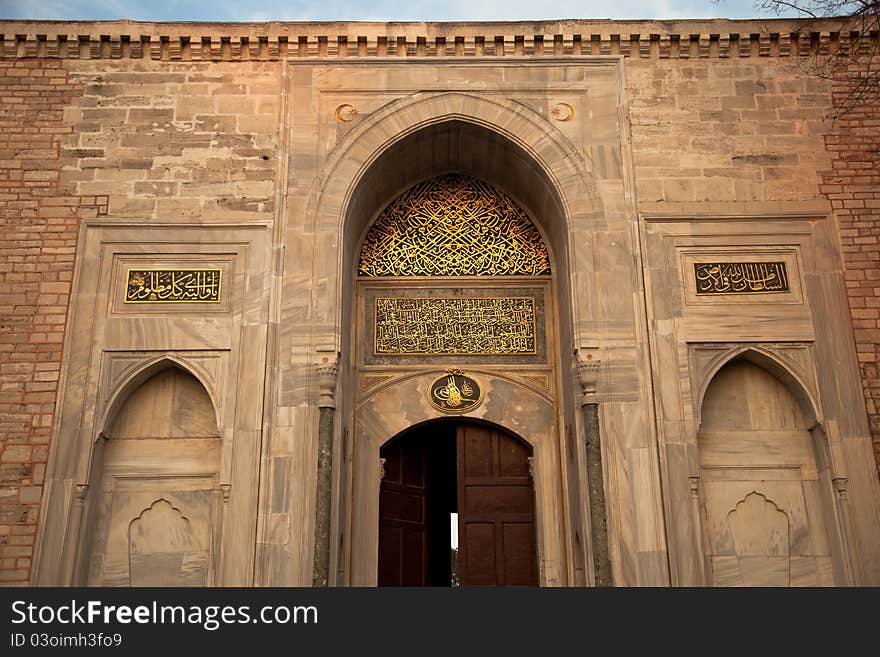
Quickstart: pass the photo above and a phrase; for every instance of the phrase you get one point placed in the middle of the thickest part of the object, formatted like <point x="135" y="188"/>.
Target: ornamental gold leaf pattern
<point x="453" y="225"/>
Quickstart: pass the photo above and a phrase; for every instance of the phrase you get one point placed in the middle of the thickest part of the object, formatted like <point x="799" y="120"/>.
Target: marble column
<point x="327" y="406"/>
<point x="588" y="374"/>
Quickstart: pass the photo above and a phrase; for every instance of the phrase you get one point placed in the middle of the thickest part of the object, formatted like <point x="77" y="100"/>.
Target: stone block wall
<point x="176" y="142"/>
<point x="155" y="124"/>
<point x="725" y="133"/>
<point x="79" y="140"/>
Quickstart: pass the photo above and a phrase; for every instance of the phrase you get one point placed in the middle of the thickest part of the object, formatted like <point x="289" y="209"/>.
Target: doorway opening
<point x="448" y="471"/>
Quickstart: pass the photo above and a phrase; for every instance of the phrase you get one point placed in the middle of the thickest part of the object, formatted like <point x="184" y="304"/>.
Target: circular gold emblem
<point x="455" y="392"/>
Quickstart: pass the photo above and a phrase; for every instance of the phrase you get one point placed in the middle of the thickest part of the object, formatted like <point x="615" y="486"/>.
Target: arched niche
<point x="171" y="403"/>
<point x="769" y="513"/>
<point x="131" y="381"/>
<point x="784" y="370"/>
<point x="154" y="513"/>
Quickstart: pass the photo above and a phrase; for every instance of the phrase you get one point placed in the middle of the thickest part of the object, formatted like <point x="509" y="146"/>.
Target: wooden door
<point x="403" y="515"/>
<point x="496" y="509"/>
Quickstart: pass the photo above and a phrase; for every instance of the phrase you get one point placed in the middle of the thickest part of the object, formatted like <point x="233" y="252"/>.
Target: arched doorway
<point x="456" y="247"/>
<point x="457" y="507"/>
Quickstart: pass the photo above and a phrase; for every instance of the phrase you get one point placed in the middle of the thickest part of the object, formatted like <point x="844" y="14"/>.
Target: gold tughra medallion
<point x="455" y="392"/>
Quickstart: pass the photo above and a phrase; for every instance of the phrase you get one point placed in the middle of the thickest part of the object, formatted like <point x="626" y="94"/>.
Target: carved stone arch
<point x="464" y="418"/>
<point x="796" y="376"/>
<point x="566" y="172"/>
<point x="155" y="514"/>
<point x="137" y="374"/>
<point x="514" y="393"/>
<point x="374" y="134"/>
<point x="758" y="442"/>
<point x="382" y="154"/>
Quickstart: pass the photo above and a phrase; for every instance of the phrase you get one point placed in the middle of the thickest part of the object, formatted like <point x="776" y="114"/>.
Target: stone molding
<point x="273" y="41"/>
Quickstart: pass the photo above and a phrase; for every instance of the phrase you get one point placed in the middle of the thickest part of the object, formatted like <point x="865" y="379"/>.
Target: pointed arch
<point x="141" y="373"/>
<point x="453" y="225"/>
<point x="763" y="487"/>
<point x="521" y="153"/>
<point x="782" y="369"/>
<point x="561" y="176"/>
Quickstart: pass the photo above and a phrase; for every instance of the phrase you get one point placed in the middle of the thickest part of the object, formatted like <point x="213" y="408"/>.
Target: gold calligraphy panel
<point x="453" y="225"/>
<point x="741" y="277"/>
<point x="454" y="325"/>
<point x="172" y="286"/>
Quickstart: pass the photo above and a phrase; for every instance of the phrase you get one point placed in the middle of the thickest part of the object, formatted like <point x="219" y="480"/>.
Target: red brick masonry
<point x="853" y="187"/>
<point x="38" y="232"/>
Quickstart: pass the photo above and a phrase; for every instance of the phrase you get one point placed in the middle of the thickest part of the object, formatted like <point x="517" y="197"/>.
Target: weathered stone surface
<point x="267" y="156"/>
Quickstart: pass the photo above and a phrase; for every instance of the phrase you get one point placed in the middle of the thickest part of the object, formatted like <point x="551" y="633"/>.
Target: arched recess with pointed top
<point x="787" y="372"/>
<point x="134" y="379"/>
<point x="488" y="137"/>
<point x="758" y="440"/>
<point x="521" y="154"/>
<point x="155" y="516"/>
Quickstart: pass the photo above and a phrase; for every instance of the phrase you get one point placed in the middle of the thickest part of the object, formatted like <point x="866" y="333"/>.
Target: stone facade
<point x="265" y="151"/>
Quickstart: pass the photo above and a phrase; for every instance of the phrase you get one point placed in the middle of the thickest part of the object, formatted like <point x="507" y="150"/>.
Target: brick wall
<point x="38" y="229"/>
<point x="852" y="184"/>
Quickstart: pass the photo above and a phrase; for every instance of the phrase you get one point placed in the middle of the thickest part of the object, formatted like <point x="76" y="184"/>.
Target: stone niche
<point x="157" y="512"/>
<point x="766" y="524"/>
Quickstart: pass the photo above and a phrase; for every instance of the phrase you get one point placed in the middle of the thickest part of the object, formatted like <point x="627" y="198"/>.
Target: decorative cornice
<point x="682" y="39"/>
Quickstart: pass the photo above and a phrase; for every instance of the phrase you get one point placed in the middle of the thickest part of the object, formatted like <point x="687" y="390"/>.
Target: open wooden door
<point x="496" y="509"/>
<point x="403" y="515"/>
<point x="479" y="472"/>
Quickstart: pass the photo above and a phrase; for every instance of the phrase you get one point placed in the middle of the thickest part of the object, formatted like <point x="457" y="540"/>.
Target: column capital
<point x="588" y="369"/>
<point x="327" y="383"/>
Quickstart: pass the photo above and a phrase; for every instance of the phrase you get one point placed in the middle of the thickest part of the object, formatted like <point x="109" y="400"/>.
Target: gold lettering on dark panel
<point x="173" y="286"/>
<point x="455" y="392"/>
<point x="453" y="226"/>
<point x="455" y="325"/>
<point x="741" y="277"/>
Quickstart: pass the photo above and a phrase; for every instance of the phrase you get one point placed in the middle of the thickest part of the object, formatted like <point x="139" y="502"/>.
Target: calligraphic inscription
<point x="453" y="225"/>
<point x="455" y="392"/>
<point x="455" y="325"/>
<point x="173" y="286"/>
<point x="741" y="277"/>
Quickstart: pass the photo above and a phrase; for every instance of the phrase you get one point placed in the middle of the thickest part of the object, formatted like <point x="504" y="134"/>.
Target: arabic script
<point x="173" y="286"/>
<point x="456" y="325"/>
<point x="741" y="277"/>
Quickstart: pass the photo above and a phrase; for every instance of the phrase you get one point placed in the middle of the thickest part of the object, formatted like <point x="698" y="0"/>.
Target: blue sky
<point x="377" y="10"/>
